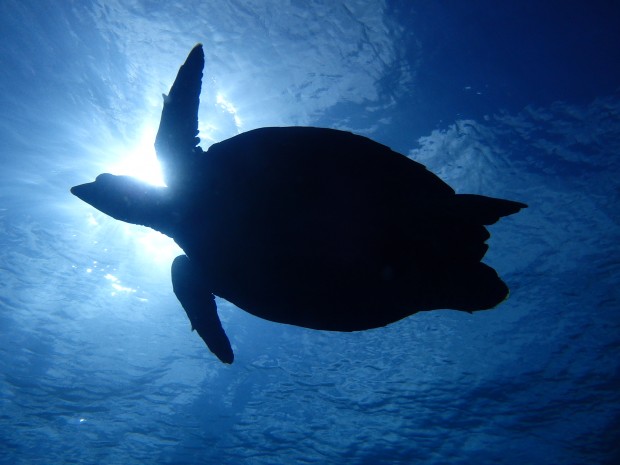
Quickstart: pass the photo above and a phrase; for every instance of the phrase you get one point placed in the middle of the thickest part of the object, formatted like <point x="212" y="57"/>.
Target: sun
<point x="140" y="160"/>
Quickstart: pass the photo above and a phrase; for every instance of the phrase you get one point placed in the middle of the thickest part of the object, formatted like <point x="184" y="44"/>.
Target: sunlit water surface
<point x="98" y="365"/>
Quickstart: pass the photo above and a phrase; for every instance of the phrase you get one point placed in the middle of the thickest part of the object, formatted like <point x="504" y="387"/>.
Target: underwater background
<point x="513" y="99"/>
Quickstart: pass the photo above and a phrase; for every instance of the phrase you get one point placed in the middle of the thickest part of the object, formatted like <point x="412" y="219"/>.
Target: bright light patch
<point x="157" y="247"/>
<point x="115" y="284"/>
<point x="140" y="161"/>
<point x="229" y="107"/>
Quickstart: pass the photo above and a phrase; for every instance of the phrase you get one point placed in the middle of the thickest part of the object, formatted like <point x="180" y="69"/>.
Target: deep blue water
<point x="519" y="100"/>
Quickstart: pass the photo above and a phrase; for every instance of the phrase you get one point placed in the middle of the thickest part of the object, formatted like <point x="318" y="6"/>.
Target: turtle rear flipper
<point x="199" y="304"/>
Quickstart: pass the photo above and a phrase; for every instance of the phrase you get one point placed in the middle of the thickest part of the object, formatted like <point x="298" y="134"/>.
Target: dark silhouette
<point x="307" y="226"/>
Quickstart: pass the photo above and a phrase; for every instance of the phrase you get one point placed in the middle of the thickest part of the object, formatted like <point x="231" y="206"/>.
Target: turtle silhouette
<point x="307" y="226"/>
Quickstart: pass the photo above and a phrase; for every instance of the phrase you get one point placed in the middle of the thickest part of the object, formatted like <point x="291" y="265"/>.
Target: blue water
<point x="518" y="100"/>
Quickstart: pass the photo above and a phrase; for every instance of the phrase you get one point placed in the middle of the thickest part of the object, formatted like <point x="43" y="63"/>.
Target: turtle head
<point x="127" y="199"/>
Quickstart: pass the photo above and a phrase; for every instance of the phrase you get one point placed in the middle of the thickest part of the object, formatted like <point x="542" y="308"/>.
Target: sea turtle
<point x="308" y="226"/>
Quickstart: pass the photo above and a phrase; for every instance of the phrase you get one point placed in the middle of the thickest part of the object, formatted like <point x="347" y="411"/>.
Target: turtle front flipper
<point x="199" y="304"/>
<point x="176" y="141"/>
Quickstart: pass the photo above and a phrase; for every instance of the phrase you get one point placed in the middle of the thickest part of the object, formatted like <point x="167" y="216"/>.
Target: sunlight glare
<point x="140" y="161"/>
<point x="116" y="284"/>
<point x="230" y="108"/>
<point x="158" y="247"/>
